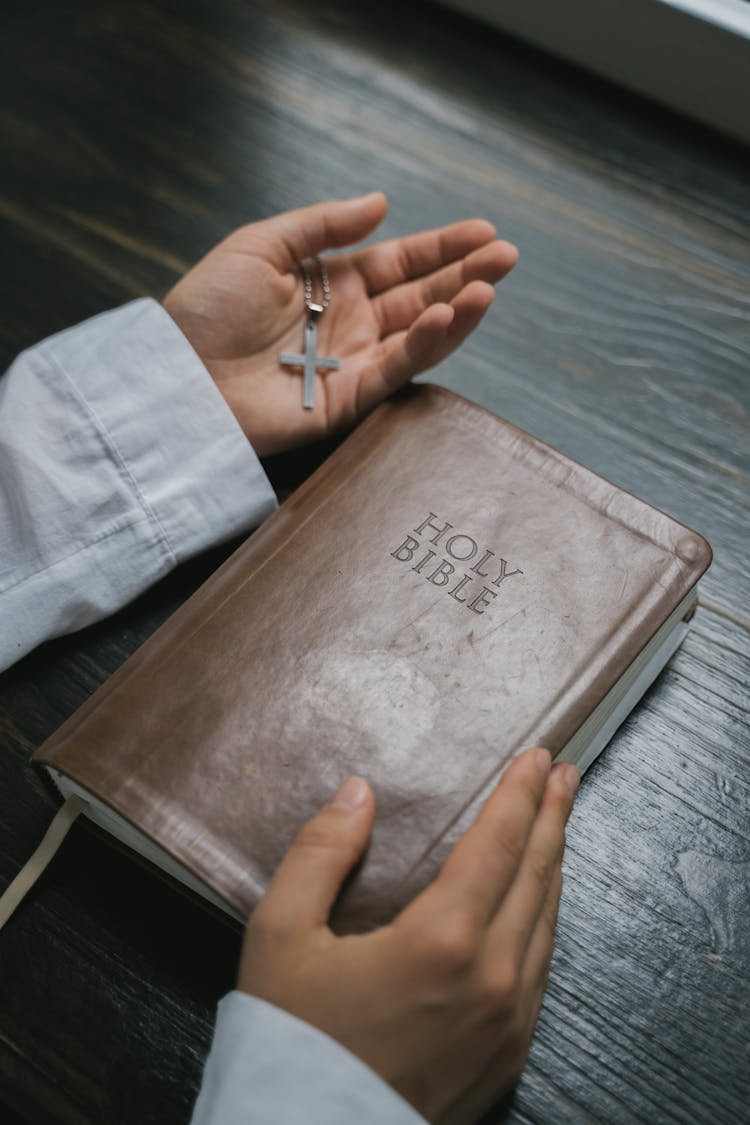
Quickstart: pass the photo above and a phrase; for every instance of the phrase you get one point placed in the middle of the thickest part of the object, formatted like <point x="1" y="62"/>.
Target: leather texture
<point x="333" y="642"/>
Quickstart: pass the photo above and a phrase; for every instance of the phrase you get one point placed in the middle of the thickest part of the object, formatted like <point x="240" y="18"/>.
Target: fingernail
<point x="543" y="760"/>
<point x="571" y="776"/>
<point x="351" y="794"/>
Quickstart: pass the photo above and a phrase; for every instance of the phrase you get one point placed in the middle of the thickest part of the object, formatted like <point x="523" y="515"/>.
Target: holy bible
<point x="442" y="592"/>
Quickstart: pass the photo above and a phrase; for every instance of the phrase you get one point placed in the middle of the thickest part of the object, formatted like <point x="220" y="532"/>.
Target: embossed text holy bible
<point x="442" y="592"/>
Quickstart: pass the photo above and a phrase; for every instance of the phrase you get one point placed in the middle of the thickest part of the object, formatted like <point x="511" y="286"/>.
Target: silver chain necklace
<point x="309" y="360"/>
<point x="325" y="284"/>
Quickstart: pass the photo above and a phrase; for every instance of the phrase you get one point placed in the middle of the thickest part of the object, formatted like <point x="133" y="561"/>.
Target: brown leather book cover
<point x="443" y="591"/>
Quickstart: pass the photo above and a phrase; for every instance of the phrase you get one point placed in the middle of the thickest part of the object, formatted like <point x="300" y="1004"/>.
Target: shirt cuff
<point x="195" y="473"/>
<point x="267" y="1066"/>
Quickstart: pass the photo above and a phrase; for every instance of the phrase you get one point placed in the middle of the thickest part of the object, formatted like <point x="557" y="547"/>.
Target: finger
<point x="469" y="307"/>
<point x="306" y="883"/>
<point x="493" y="1082"/>
<point x="402" y="356"/>
<point x="296" y="235"/>
<point x="401" y="259"/>
<point x="539" y="953"/>
<point x="517" y="917"/>
<point x="433" y="336"/>
<point x="399" y="306"/>
<point x="407" y="353"/>
<point x="482" y="865"/>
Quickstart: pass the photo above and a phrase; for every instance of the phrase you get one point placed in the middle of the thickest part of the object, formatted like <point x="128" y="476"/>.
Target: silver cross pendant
<point x="309" y="360"/>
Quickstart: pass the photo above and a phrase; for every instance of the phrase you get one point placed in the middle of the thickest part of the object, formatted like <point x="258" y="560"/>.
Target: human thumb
<point x="304" y="888"/>
<point x="324" y="226"/>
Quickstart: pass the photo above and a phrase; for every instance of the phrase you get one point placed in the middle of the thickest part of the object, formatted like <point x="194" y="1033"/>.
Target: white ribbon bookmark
<point x="33" y="868"/>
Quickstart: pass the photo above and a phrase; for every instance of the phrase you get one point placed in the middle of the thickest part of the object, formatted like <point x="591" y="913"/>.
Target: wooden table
<point x="135" y="136"/>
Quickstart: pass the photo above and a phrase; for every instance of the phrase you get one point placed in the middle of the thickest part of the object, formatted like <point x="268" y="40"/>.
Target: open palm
<point x="396" y="308"/>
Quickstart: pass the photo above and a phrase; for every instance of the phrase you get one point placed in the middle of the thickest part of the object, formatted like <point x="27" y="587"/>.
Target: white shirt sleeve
<point x="268" y="1067"/>
<point x="119" y="458"/>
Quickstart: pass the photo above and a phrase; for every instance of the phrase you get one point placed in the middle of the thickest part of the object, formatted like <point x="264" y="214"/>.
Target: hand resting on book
<point x="442" y="1003"/>
<point x="396" y="308"/>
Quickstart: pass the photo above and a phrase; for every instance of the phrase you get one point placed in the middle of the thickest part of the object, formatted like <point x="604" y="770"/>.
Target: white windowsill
<point x="690" y="55"/>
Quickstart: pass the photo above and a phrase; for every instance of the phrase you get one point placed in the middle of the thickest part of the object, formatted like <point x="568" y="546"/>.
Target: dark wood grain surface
<point x="133" y="137"/>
